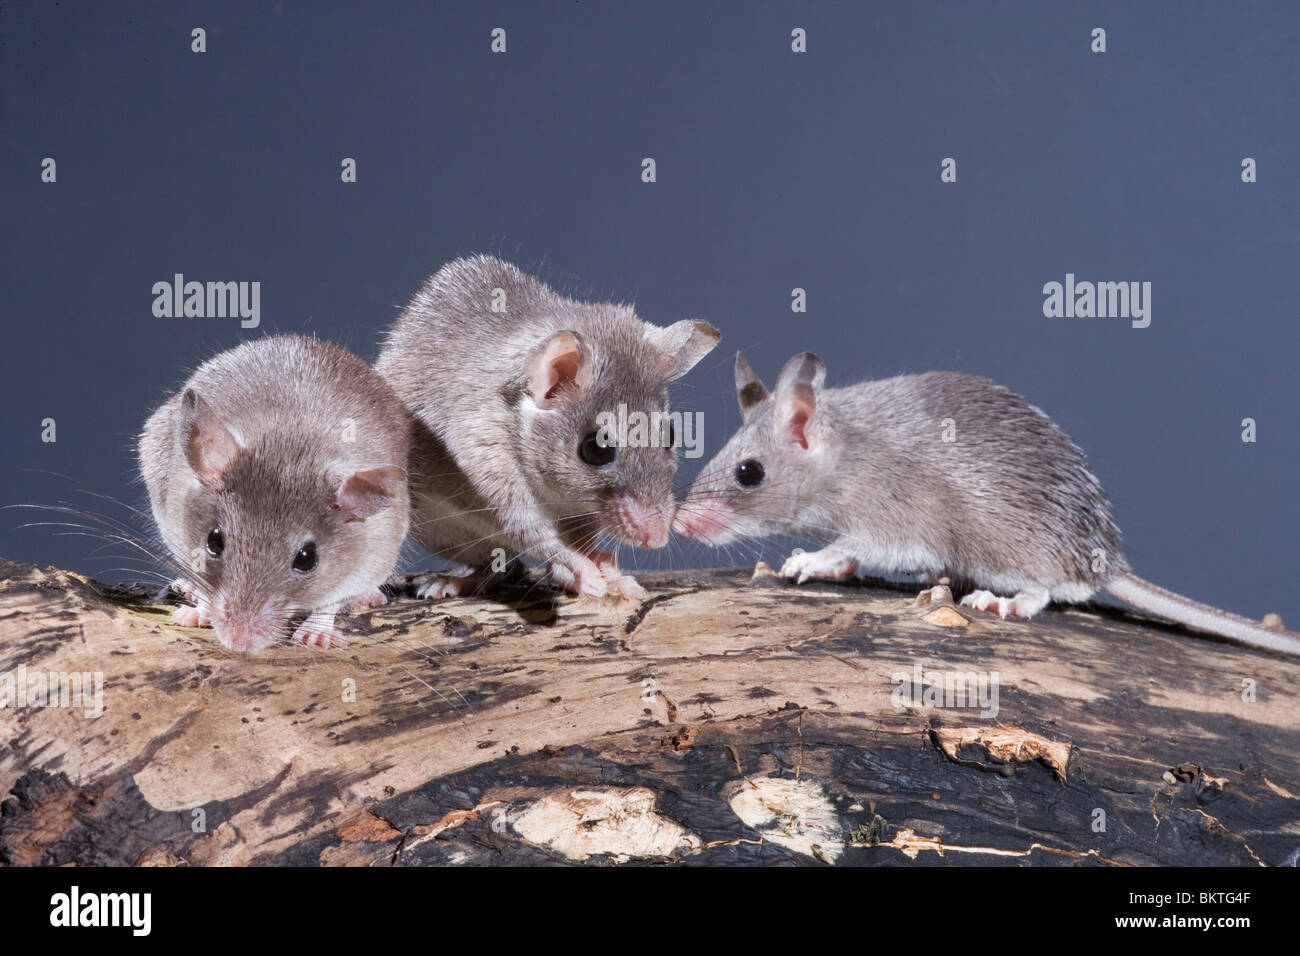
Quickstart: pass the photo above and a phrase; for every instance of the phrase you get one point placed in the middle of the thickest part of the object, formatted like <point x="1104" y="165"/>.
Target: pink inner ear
<point x="562" y="370"/>
<point x="800" y="408"/>
<point x="209" y="446"/>
<point x="367" y="493"/>
<point x="798" y="425"/>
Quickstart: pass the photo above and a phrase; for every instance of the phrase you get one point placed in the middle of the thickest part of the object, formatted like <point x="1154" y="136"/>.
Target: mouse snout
<point x="708" y="522"/>
<point x="645" y="526"/>
<point x="249" y="630"/>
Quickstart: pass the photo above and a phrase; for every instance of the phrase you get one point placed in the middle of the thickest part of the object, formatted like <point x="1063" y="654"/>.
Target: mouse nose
<point x="248" y="631"/>
<point x="701" y="522"/>
<point x="646" y="526"/>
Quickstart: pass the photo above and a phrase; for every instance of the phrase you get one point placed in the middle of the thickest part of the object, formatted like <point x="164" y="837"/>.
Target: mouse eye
<point x="749" y="473"/>
<point x="216" y="542"/>
<point x="305" y="559"/>
<point x="672" y="434"/>
<point x="595" y="453"/>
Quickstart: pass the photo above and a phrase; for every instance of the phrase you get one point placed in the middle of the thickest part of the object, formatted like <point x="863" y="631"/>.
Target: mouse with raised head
<point x="512" y="384"/>
<point x="277" y="478"/>
<point x="946" y="475"/>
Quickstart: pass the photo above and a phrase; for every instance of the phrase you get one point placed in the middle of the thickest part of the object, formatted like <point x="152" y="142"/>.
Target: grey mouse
<point x="947" y="475"/>
<point x="508" y="380"/>
<point x="277" y="479"/>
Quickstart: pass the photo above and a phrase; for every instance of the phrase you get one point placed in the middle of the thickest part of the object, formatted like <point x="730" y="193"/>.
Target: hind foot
<point x="1025" y="604"/>
<point x="460" y="580"/>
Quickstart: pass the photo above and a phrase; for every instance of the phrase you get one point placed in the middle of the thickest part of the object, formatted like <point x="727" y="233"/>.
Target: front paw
<point x="616" y="581"/>
<point x="803" y="565"/>
<point x="579" y="575"/>
<point x="315" y="635"/>
<point x="196" y="616"/>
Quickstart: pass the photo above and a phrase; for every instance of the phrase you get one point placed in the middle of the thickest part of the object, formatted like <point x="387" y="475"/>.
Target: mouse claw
<point x="628" y="587"/>
<point x="437" y="586"/>
<point x="804" y="565"/>
<point x="1025" y="603"/>
<point x="587" y="581"/>
<point x="618" y="583"/>
<point x="322" y="637"/>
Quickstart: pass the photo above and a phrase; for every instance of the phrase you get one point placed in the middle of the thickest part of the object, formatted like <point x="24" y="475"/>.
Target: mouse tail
<point x="1199" y="617"/>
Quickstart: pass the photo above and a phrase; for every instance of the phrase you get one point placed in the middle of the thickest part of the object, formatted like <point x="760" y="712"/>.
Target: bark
<point x="722" y="721"/>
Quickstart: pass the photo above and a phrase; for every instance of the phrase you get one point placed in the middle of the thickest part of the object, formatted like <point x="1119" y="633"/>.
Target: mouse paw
<point x="196" y="616"/>
<point x="1025" y="604"/>
<point x="617" y="582"/>
<point x="818" y="564"/>
<point x="435" y="586"/>
<point x="373" y="598"/>
<point x="580" y="576"/>
<point x="315" y="635"/>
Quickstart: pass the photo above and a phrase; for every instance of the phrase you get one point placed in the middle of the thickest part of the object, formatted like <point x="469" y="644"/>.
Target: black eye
<point x="305" y="559"/>
<point x="749" y="473"/>
<point x="216" y="542"/>
<point x="596" y="453"/>
<point x="672" y="434"/>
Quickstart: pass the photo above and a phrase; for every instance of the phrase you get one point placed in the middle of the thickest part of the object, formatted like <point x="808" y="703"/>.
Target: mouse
<point x="510" y="384"/>
<point x="942" y="474"/>
<point x="277" y="480"/>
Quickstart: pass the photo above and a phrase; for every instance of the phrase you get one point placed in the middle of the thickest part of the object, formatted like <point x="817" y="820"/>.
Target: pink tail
<point x="1200" y="617"/>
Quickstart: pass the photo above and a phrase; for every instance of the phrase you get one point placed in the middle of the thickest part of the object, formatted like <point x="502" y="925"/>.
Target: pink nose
<point x="648" y="526"/>
<point x="245" y="632"/>
<point x="699" y="524"/>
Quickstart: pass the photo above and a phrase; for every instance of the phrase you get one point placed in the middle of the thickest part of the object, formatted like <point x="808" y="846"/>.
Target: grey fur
<point x="1009" y="505"/>
<point x="495" y="463"/>
<point x="274" y="414"/>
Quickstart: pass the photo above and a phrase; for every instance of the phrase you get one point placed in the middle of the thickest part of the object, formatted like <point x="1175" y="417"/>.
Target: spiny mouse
<point x="507" y="379"/>
<point x="1004" y="501"/>
<point x="277" y="478"/>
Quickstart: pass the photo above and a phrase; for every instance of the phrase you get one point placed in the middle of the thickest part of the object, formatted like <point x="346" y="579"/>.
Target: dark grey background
<point x="775" y="170"/>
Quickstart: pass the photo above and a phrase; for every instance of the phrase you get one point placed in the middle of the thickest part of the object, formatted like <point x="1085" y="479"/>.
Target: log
<point x="722" y="721"/>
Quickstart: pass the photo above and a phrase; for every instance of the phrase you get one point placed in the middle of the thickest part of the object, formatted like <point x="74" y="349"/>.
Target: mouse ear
<point x="209" y="446"/>
<point x="562" y="360"/>
<point x="749" y="390"/>
<point x="681" y="345"/>
<point x="797" y="392"/>
<point x="364" y="494"/>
